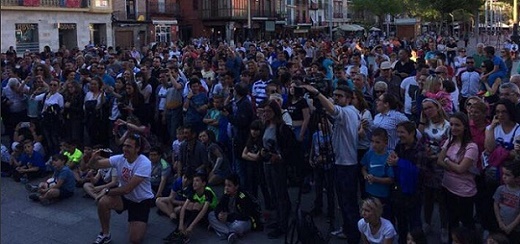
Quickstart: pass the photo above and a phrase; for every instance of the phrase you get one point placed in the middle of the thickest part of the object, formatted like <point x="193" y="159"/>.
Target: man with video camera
<point x="344" y="143"/>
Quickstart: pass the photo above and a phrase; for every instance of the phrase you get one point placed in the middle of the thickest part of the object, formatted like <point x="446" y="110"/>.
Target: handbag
<point x="491" y="162"/>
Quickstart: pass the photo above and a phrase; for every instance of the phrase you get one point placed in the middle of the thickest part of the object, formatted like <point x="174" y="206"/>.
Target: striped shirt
<point x="389" y="122"/>
<point x="258" y="91"/>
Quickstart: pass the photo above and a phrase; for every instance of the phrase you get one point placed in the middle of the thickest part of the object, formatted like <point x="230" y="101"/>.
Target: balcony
<point x="167" y="8"/>
<point x="337" y="15"/>
<point x="315" y="6"/>
<point x="100" y="6"/>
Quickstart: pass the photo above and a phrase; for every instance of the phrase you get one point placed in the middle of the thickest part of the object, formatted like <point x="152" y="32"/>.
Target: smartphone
<point x="231" y="91"/>
<point x="25" y="125"/>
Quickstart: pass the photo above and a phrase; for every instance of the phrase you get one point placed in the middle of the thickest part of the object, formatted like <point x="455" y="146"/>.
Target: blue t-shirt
<point x="65" y="174"/>
<point x="36" y="159"/>
<point x="182" y="193"/>
<point x="192" y="116"/>
<point x="500" y="63"/>
<point x="375" y="165"/>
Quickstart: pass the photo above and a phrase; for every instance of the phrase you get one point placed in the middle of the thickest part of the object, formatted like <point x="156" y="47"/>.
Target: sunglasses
<point x="338" y="95"/>
<point x="439" y="72"/>
<point x="39" y="69"/>
<point x="470" y="62"/>
<point x="53" y="84"/>
<point x="379" y="91"/>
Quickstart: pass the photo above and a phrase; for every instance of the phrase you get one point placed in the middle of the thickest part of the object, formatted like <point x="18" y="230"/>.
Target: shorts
<point x="137" y="211"/>
<point x="64" y="194"/>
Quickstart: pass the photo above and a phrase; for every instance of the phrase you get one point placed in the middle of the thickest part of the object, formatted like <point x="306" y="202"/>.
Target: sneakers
<point x="102" y="239"/>
<point x="35" y="197"/>
<point x="426" y="228"/>
<point x="445" y="236"/>
<point x="31" y="188"/>
<point x="172" y="236"/>
<point x="339" y="233"/>
<point x="232" y="238"/>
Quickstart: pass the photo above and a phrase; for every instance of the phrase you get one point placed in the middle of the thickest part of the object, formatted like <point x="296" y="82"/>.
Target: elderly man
<point x="515" y="79"/>
<point x="511" y="92"/>
<point x="393" y="81"/>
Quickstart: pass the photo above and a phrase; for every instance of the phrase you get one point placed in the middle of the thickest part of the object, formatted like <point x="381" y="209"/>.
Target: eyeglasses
<point x="52" y="84"/>
<point x="379" y="91"/>
<point x="439" y="72"/>
<point x="99" y="67"/>
<point x="462" y="51"/>
<point x="39" y="69"/>
<point x="470" y="62"/>
<point x="338" y="95"/>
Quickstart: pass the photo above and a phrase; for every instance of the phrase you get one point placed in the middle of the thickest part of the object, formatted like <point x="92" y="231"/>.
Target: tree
<point x="379" y="8"/>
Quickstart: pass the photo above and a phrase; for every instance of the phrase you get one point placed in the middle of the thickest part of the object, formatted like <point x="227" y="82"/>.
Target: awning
<point x="164" y="22"/>
<point x="301" y="31"/>
<point x="349" y="27"/>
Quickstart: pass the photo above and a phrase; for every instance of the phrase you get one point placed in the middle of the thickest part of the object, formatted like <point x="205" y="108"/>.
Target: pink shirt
<point x="461" y="184"/>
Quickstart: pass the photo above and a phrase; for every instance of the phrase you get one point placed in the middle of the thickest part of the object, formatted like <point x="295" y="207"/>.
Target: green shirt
<point x="74" y="157"/>
<point x="479" y="58"/>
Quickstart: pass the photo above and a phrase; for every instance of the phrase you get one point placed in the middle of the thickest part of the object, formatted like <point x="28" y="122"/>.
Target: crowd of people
<point x="407" y="124"/>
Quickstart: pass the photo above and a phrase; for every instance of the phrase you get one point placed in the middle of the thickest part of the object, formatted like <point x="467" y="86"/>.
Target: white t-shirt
<point x="55" y="98"/>
<point x="386" y="231"/>
<point x="504" y="139"/>
<point x="140" y="167"/>
<point x="161" y="95"/>
<point x="407" y="99"/>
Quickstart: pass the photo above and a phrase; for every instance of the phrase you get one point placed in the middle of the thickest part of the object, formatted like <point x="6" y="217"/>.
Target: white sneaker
<point x="445" y="235"/>
<point x="426" y="228"/>
<point x="337" y="232"/>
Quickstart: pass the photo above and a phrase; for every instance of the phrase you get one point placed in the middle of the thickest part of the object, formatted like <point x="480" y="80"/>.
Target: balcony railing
<point x="47" y="3"/>
<point x="167" y="8"/>
<point x="315" y="6"/>
<point x="338" y="15"/>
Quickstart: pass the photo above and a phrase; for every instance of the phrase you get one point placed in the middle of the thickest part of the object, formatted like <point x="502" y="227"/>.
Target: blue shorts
<point x="64" y="194"/>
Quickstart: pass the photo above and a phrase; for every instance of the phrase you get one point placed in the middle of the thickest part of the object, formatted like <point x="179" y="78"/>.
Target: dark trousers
<point x="276" y="178"/>
<point x="432" y="195"/>
<point x="347" y="189"/>
<point x="324" y="178"/>
<point x="255" y="177"/>
<point x="460" y="209"/>
<point x="407" y="212"/>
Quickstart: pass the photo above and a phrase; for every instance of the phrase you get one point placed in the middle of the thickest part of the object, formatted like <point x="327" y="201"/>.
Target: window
<point x="27" y="37"/>
<point x="195" y="4"/>
<point x="101" y="3"/>
<point x="161" y="6"/>
<point x="162" y="33"/>
<point x="130" y="9"/>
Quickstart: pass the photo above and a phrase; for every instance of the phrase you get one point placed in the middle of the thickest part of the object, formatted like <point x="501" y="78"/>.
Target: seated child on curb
<point x="60" y="186"/>
<point x="194" y="210"/>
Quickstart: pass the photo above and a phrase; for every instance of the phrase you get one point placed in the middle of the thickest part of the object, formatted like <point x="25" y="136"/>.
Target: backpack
<point x="308" y="233"/>
<point x="256" y="214"/>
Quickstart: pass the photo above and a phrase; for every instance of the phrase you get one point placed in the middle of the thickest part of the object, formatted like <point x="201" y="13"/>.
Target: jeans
<point x="347" y="189"/>
<point x="173" y="121"/>
<point x="239" y="167"/>
<point x="276" y="178"/>
<point x="225" y="228"/>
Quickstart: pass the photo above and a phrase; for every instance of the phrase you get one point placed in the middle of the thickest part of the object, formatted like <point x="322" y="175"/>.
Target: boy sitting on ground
<point x="195" y="209"/>
<point x="236" y="212"/>
<point x="60" y="186"/>
<point x="172" y="204"/>
<point x="30" y="165"/>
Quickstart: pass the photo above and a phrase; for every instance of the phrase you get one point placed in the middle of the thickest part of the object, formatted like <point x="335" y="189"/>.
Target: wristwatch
<point x="107" y="190"/>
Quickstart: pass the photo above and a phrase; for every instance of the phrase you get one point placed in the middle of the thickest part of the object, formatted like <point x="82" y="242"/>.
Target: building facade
<point x="138" y="23"/>
<point x="34" y="24"/>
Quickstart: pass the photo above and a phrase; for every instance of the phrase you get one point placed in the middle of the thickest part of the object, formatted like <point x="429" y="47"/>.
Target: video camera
<point x="318" y="81"/>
